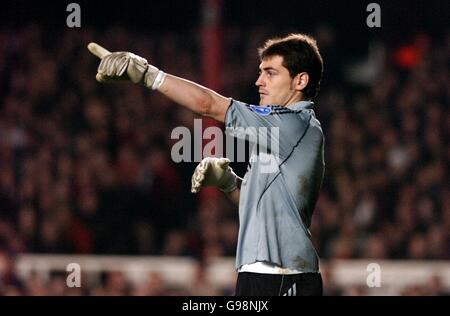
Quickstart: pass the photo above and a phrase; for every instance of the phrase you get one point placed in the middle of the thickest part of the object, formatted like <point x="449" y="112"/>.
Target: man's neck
<point x="294" y="100"/>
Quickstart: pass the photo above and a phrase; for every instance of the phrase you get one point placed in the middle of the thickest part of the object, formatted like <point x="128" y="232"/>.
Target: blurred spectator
<point x="10" y="283"/>
<point x="436" y="288"/>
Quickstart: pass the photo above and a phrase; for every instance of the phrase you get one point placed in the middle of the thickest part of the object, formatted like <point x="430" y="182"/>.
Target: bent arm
<point x="195" y="97"/>
<point x="235" y="194"/>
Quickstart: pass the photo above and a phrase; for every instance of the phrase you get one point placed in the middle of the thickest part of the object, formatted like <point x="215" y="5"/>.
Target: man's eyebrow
<point x="267" y="68"/>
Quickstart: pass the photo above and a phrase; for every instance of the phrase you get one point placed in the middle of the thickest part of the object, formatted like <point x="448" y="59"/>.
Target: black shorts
<point x="259" y="284"/>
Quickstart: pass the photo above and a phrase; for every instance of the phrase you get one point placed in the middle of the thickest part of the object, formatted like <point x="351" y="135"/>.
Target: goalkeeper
<point x="275" y="255"/>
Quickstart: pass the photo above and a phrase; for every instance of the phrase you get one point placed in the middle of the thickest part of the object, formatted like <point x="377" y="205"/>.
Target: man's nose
<point x="259" y="81"/>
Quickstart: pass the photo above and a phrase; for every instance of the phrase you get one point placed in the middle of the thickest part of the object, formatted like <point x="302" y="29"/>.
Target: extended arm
<point x="128" y="66"/>
<point x="195" y="97"/>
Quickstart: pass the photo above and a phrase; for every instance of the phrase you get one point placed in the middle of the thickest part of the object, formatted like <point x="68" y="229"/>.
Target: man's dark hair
<point x="300" y="54"/>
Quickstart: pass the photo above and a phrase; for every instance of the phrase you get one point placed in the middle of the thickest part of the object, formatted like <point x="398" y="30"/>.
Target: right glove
<point x="214" y="172"/>
<point x="125" y="66"/>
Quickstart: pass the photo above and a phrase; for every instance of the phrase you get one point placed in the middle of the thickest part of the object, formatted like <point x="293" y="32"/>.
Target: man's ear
<point x="301" y="81"/>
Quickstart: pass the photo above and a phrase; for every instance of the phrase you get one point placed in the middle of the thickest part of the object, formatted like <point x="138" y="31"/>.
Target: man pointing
<point x="275" y="255"/>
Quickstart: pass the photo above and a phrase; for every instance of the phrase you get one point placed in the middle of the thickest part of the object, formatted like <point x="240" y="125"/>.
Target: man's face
<point x="275" y="85"/>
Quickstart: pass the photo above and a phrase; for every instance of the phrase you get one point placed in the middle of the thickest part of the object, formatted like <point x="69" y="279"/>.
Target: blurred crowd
<point x="86" y="167"/>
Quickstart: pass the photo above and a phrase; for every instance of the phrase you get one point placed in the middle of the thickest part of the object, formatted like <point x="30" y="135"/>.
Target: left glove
<point x="119" y="66"/>
<point x="213" y="171"/>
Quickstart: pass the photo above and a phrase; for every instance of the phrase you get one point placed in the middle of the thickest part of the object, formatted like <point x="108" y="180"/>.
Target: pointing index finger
<point x="98" y="50"/>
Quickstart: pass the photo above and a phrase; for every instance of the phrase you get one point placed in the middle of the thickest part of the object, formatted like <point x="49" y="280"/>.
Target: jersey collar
<point x="301" y="105"/>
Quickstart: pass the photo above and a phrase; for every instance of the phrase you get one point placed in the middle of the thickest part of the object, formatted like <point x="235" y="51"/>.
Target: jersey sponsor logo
<point x="261" y="110"/>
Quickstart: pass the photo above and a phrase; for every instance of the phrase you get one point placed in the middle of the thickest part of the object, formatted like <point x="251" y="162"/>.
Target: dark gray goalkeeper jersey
<point x="281" y="185"/>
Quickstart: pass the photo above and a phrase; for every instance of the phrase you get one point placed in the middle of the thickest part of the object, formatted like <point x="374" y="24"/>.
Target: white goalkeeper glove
<point x="125" y="66"/>
<point x="214" y="172"/>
